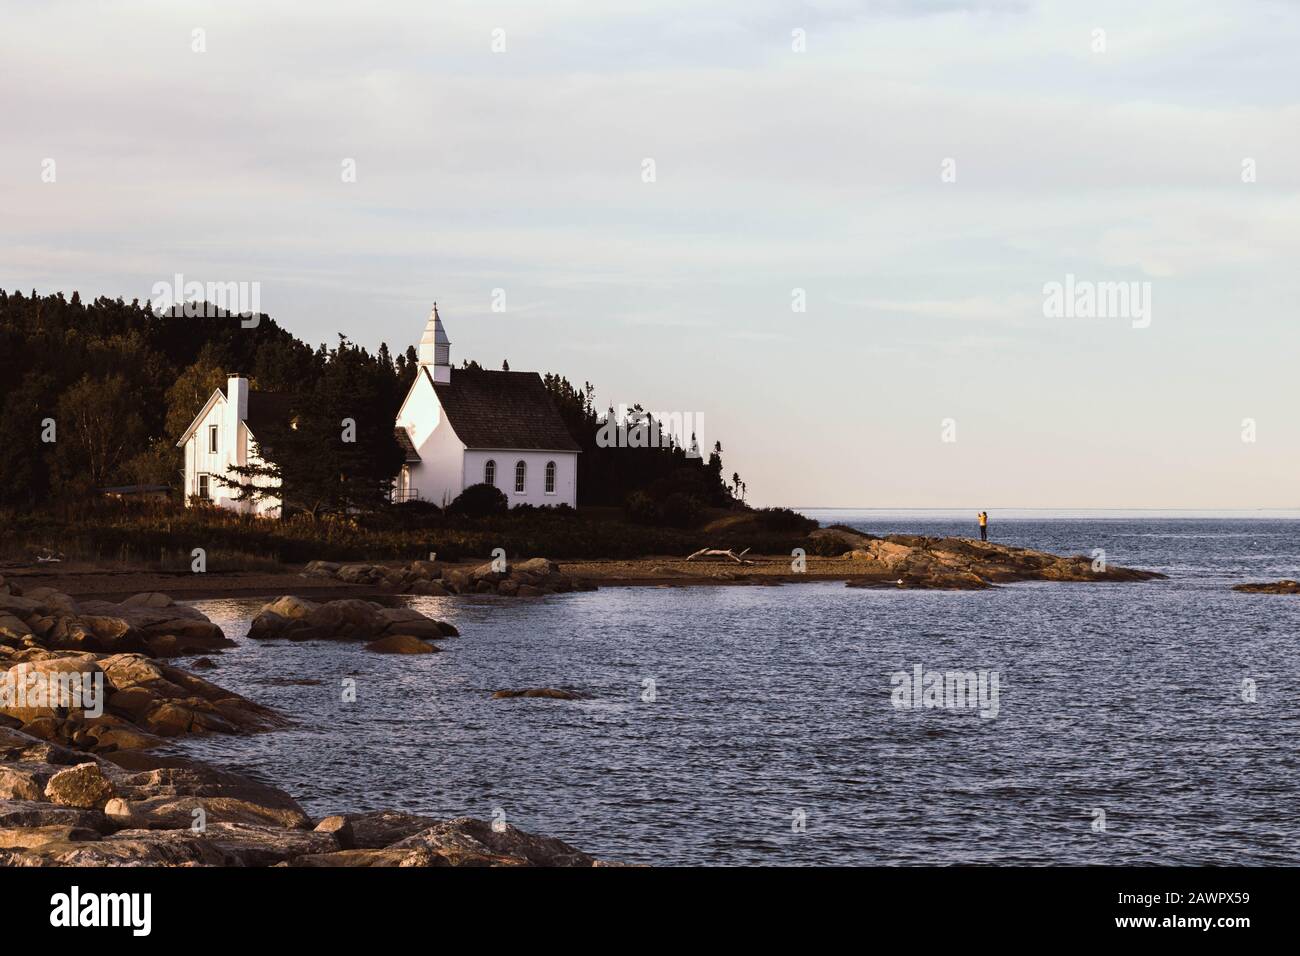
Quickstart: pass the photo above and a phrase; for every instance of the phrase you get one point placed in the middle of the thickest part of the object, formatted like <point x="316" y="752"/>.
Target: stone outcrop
<point x="125" y="698"/>
<point x="141" y="702"/>
<point x="463" y="841"/>
<point x="1285" y="586"/>
<point x="531" y="578"/>
<point x="915" y="561"/>
<point x="349" y="619"/>
<point x="149" y="624"/>
<point x="143" y="811"/>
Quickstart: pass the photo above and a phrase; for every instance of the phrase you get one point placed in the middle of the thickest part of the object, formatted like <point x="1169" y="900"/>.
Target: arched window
<point x="521" y="472"/>
<point x="550" y="477"/>
<point x="490" y="472"/>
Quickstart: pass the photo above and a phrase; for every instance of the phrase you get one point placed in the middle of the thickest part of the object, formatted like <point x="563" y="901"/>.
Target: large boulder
<point x="380" y="828"/>
<point x="220" y="844"/>
<point x="167" y="701"/>
<point x="51" y="599"/>
<point x="23" y="781"/>
<point x="17" y="746"/>
<point x="428" y="570"/>
<point x="356" y="573"/>
<point x="465" y="841"/>
<point x="344" y="619"/>
<point x="167" y="797"/>
<point x="81" y="786"/>
<point x="31" y="813"/>
<point x="348" y="618"/>
<point x="405" y="620"/>
<point x="359" y="857"/>
<point x="282" y="616"/>
<point x="534" y="567"/>
<point x="51" y="687"/>
<point x="14" y="630"/>
<point x="28" y="837"/>
<point x="340" y="827"/>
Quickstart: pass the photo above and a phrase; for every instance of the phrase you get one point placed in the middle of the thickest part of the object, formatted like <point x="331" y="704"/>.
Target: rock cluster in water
<point x="531" y="578"/>
<point x="149" y="623"/>
<point x="85" y="674"/>
<point x="915" y="561"/>
<point x="389" y="630"/>
<point x="1285" y="586"/>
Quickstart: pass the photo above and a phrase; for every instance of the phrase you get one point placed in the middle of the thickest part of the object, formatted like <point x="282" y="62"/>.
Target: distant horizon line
<point x="1295" y="508"/>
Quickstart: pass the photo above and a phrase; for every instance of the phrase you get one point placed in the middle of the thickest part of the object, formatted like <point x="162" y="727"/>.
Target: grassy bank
<point x="163" y="535"/>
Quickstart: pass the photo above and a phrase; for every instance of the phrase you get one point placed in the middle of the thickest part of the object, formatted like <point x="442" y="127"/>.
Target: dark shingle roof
<point x="265" y="408"/>
<point x="490" y="409"/>
<point x="404" y="439"/>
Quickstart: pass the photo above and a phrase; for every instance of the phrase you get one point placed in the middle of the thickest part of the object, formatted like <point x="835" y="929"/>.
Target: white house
<point x="468" y="426"/>
<point x="459" y="427"/>
<point x="221" y="436"/>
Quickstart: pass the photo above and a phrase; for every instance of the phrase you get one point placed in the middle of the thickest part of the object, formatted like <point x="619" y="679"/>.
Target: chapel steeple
<point x="435" y="348"/>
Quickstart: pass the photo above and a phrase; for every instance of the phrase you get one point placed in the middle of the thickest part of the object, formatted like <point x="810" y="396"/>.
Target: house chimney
<point x="236" y="412"/>
<point x="237" y="395"/>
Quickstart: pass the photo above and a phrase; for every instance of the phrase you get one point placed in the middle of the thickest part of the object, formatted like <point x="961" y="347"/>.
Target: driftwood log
<point x="715" y="554"/>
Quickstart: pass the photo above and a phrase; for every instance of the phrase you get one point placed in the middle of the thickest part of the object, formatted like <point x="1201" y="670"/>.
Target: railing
<point x="411" y="494"/>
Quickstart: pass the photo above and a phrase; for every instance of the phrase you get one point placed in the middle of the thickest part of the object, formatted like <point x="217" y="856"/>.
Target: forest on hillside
<point x="96" y="394"/>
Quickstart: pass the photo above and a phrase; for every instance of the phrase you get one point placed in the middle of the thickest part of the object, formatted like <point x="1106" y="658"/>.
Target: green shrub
<point x="479" y="501"/>
<point x="641" y="509"/>
<point x="680" y="510"/>
<point x="783" y="519"/>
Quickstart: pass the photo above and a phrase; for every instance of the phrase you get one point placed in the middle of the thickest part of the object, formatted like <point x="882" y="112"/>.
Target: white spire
<point x="435" y="347"/>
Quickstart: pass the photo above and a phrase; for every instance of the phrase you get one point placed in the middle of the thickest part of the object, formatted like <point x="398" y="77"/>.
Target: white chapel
<point x="458" y="426"/>
<point x="462" y="427"/>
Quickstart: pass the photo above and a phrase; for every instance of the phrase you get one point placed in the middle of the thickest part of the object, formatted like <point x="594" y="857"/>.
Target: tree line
<point x="94" y="395"/>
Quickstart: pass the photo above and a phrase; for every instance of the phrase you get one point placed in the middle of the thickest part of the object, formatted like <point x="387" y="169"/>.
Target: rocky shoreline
<point x="916" y="561"/>
<point x="87" y="778"/>
<point x="838" y="554"/>
<point x="531" y="578"/>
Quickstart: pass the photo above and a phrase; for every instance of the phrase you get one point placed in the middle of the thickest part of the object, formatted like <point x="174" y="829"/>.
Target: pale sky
<point x="775" y="170"/>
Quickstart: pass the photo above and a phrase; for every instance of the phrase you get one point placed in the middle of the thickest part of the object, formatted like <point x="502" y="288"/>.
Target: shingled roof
<point x="490" y="409"/>
<point x="404" y="439"/>
<point x="265" y="408"/>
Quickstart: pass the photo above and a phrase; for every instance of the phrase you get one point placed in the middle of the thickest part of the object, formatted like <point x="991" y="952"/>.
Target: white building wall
<point x="437" y="477"/>
<point x="237" y="451"/>
<point x="199" y="460"/>
<point x="566" y="475"/>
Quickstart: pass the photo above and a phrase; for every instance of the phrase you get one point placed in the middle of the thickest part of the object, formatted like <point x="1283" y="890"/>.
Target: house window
<point x="203" y="486"/>
<point x="550" y="477"/>
<point x="212" y="439"/>
<point x="490" y="472"/>
<point x="521" y="472"/>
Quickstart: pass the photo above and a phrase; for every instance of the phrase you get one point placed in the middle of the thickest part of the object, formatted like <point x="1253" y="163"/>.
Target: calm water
<point x="772" y="702"/>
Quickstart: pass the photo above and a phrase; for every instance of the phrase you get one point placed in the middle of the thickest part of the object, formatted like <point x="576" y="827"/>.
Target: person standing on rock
<point x="984" y="525"/>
